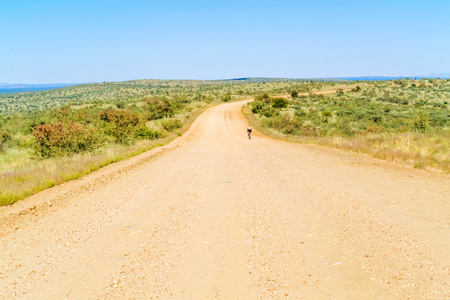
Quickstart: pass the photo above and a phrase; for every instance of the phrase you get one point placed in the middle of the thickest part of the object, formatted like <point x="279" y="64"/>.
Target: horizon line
<point x="435" y="75"/>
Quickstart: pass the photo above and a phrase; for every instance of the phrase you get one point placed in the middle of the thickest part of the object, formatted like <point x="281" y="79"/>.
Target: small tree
<point x="120" y="123"/>
<point x="120" y="104"/>
<point x="421" y="121"/>
<point x="264" y="98"/>
<point x="60" y="139"/>
<point x="280" y="103"/>
<point x="4" y="137"/>
<point x="326" y="115"/>
<point x="159" y="107"/>
<point x="356" y="89"/>
<point x="257" y="106"/>
<point x="294" y="94"/>
<point x="145" y="133"/>
<point x="226" y="97"/>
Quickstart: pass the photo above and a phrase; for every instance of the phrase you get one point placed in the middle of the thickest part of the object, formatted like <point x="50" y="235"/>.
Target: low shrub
<point x="300" y="113"/>
<point x="4" y="137"/>
<point x="120" y="124"/>
<point x="226" y="97"/>
<point x="269" y="111"/>
<point x="326" y="115"/>
<point x="257" y="106"/>
<point x="421" y="121"/>
<point x="294" y="94"/>
<point x="60" y="139"/>
<point x="280" y="103"/>
<point x="159" y="107"/>
<point x="144" y="133"/>
<point x="171" y="124"/>
<point x="264" y="97"/>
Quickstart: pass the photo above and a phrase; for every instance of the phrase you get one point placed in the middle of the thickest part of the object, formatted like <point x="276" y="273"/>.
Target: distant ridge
<point x="383" y="78"/>
<point x="18" y="87"/>
<point x="238" y="79"/>
<point x="441" y="75"/>
<point x="272" y="79"/>
<point x="355" y="78"/>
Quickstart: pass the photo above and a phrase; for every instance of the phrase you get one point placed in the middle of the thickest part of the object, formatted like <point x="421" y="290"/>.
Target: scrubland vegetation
<point x="406" y="121"/>
<point x="49" y="137"/>
<point x="45" y="148"/>
<point x="132" y="91"/>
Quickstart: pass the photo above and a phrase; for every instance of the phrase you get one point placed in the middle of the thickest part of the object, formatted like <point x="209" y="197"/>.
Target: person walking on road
<point x="249" y="132"/>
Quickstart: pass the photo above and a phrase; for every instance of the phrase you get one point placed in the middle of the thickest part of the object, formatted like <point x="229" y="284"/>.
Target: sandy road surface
<point x="215" y="215"/>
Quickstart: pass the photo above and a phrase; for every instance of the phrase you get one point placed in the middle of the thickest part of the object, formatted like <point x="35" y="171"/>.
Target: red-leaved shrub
<point x="60" y="139"/>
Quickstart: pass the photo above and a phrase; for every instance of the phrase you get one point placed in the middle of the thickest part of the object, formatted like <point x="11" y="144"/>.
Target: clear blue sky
<point x="110" y="40"/>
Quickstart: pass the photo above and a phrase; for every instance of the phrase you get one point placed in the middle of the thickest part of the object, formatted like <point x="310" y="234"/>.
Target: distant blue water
<point x="18" y="90"/>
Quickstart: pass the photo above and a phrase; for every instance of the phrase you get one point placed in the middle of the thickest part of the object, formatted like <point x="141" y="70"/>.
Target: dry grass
<point x="420" y="150"/>
<point x="27" y="176"/>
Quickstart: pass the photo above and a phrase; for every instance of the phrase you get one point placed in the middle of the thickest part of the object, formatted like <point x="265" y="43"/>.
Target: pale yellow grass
<point x="26" y="175"/>
<point x="421" y="150"/>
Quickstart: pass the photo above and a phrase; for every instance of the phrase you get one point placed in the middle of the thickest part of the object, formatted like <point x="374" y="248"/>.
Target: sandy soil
<point x="215" y="215"/>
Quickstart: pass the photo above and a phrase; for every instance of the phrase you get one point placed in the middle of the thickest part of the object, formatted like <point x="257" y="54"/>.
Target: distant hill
<point x="268" y="79"/>
<point x="16" y="88"/>
<point x="337" y="79"/>
<point x="441" y="75"/>
<point x="383" y="78"/>
<point x="369" y="78"/>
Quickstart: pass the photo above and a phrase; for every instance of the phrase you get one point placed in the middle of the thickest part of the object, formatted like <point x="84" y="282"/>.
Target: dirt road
<point x="215" y="215"/>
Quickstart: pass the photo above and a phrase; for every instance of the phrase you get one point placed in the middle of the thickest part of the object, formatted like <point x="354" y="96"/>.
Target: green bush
<point x="326" y="114"/>
<point x="294" y="94"/>
<point x="345" y="129"/>
<point x="226" y="97"/>
<point x="171" y="124"/>
<point x="4" y="137"/>
<point x="286" y="124"/>
<point x="280" y="103"/>
<point x="300" y="113"/>
<point x="264" y="97"/>
<point x="159" y="107"/>
<point x="421" y="121"/>
<point x="257" y="106"/>
<point x="61" y="139"/>
<point x="145" y="133"/>
<point x="344" y="112"/>
<point x="120" y="104"/>
<point x="374" y="117"/>
<point x="269" y="111"/>
<point x="120" y="124"/>
<point x="356" y="89"/>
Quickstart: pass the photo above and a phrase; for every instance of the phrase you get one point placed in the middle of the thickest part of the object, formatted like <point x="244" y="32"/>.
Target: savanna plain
<point x="151" y="189"/>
